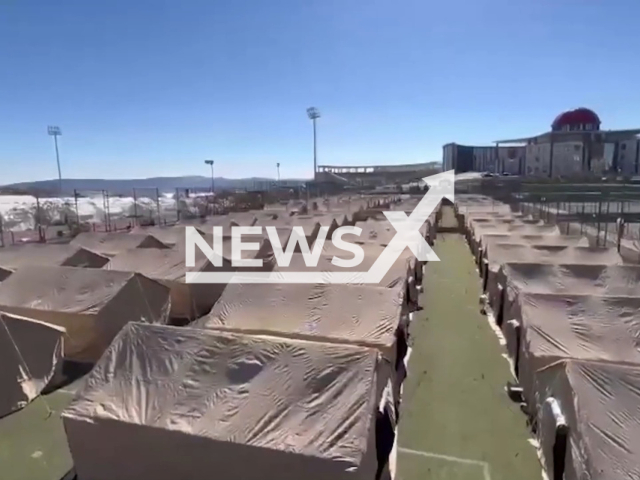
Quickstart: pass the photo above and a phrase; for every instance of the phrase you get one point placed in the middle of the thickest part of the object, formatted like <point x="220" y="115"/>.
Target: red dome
<point x="579" y="116"/>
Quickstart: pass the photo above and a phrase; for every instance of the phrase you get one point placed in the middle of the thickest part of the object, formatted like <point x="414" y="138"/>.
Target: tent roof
<point x="581" y="326"/>
<point x="293" y="396"/>
<point x="14" y="257"/>
<point x="398" y="274"/>
<point x="62" y="289"/>
<point x="500" y="253"/>
<point x="114" y="243"/>
<point x="29" y="353"/>
<point x="160" y="264"/>
<point x="601" y="402"/>
<point x="573" y="278"/>
<point x="329" y="312"/>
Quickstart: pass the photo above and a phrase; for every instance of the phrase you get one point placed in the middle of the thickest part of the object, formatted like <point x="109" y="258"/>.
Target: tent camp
<point x="60" y="255"/>
<point x="29" y="353"/>
<point x="590" y="409"/>
<point x="517" y="278"/>
<point x="501" y="253"/>
<point x="92" y="305"/>
<point x="552" y="327"/>
<point x="193" y="402"/>
<point x="110" y="244"/>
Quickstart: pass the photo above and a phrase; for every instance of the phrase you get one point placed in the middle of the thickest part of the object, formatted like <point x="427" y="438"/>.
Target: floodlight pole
<point x="54" y="131"/>
<point x="278" y="167"/>
<point x="210" y="163"/>
<point x="313" y="113"/>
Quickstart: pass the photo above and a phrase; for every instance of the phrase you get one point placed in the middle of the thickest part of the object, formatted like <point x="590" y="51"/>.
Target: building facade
<point x="576" y="145"/>
<point x="464" y="158"/>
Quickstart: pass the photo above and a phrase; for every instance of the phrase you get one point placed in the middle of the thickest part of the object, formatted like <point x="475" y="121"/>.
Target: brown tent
<point x="29" y="353"/>
<point x="91" y="304"/>
<point x="168" y="266"/>
<point x="517" y="278"/>
<point x="592" y="408"/>
<point x="56" y="255"/>
<point x="501" y="253"/>
<point x="192" y="402"/>
<point x="110" y="244"/>
<point x="553" y="327"/>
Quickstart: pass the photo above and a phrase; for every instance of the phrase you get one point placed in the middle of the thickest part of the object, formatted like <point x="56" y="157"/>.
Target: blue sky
<point x="145" y="88"/>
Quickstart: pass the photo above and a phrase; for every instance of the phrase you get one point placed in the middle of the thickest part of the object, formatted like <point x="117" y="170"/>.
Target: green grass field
<point x="33" y="445"/>
<point x="455" y="409"/>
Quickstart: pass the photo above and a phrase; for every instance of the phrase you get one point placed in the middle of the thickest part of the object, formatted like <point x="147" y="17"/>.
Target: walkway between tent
<point x="457" y="422"/>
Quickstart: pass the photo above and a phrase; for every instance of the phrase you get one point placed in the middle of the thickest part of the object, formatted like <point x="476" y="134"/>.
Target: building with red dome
<point x="575" y="145"/>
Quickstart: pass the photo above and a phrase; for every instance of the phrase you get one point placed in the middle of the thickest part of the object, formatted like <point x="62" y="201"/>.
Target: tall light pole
<point x="210" y="163"/>
<point x="278" y="167"/>
<point x="313" y="113"/>
<point x="54" y="132"/>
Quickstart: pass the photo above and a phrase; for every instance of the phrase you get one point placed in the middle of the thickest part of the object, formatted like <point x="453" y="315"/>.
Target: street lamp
<point x="313" y="113"/>
<point x="54" y="132"/>
<point x="278" y="167"/>
<point x="210" y="163"/>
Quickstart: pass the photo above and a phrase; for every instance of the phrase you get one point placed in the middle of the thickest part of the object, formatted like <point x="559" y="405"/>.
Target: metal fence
<point x="51" y="219"/>
<point x="606" y="212"/>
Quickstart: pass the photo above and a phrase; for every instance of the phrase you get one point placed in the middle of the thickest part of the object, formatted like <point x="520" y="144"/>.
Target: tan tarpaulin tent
<point x="170" y="236"/>
<point x="110" y="244"/>
<point x="501" y="253"/>
<point x="588" y="327"/>
<point x="53" y="255"/>
<point x="168" y="403"/>
<point x="361" y="315"/>
<point x="488" y="239"/>
<point x="29" y="353"/>
<point x="92" y="305"/>
<point x="4" y="273"/>
<point x="379" y="232"/>
<point x="309" y="225"/>
<point x="402" y="272"/>
<point x="517" y="278"/>
<point x="168" y="266"/>
<point x="478" y="232"/>
<point x="598" y="402"/>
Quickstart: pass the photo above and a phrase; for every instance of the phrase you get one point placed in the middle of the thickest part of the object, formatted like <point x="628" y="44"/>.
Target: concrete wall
<point x="538" y="160"/>
<point x="629" y="156"/>
<point x="567" y="159"/>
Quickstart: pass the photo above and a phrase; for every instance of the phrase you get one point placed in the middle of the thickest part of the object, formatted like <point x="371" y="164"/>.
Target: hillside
<point x="126" y="186"/>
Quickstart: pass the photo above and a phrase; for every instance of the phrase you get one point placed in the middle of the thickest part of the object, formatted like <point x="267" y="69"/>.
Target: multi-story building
<point x="463" y="158"/>
<point x="576" y="145"/>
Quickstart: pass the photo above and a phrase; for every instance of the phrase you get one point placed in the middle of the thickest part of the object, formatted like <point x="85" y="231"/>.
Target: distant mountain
<point x="126" y="186"/>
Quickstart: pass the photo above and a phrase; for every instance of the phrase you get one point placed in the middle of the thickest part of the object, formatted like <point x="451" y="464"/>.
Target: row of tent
<point x="569" y="314"/>
<point x="299" y="379"/>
